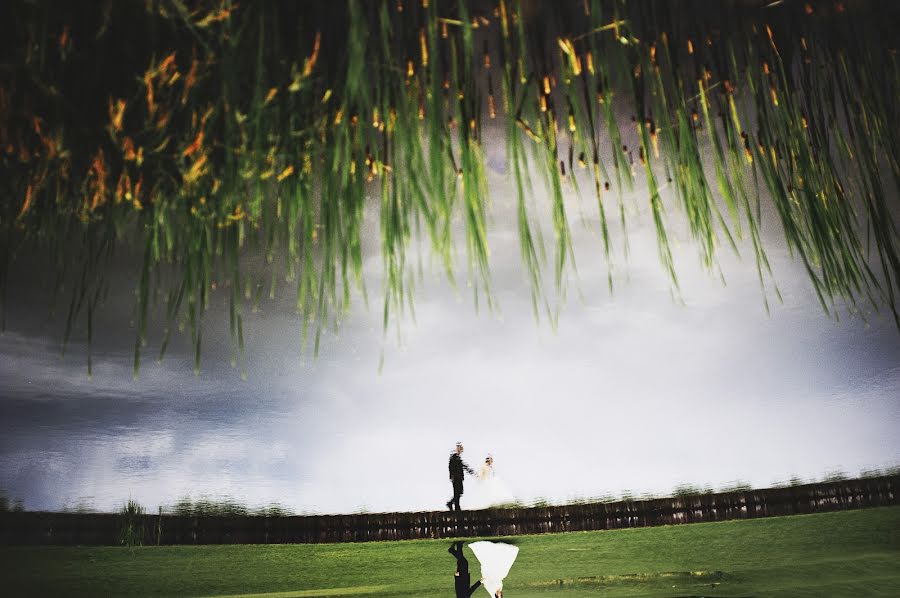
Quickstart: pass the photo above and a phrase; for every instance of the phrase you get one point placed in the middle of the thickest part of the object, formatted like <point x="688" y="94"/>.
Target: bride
<point x="496" y="558"/>
<point x="489" y="491"/>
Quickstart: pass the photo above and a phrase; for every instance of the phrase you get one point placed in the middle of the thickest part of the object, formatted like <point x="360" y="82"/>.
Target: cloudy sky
<point x="634" y="391"/>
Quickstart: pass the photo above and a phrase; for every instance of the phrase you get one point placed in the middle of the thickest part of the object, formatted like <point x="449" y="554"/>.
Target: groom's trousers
<point x="457" y="492"/>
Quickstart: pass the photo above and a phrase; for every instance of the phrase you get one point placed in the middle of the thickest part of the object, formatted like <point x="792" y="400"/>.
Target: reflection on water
<point x="98" y="454"/>
<point x="461" y="578"/>
<point x="225" y="507"/>
<point x="495" y="560"/>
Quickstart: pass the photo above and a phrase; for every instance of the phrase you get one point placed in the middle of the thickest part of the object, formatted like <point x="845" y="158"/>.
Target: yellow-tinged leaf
<point x="734" y="113"/>
<point x="424" y="47"/>
<point x="116" y="113"/>
<point x="285" y="173"/>
<point x="162" y="145"/>
<point x="197" y="170"/>
<point x="528" y="131"/>
<point x="209" y="112"/>
<point x="215" y="17"/>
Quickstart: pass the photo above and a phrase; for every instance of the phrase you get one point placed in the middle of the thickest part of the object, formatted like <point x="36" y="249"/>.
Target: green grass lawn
<point x="850" y="553"/>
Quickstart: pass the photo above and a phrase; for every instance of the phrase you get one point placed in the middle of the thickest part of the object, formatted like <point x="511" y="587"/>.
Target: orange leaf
<point x="148" y="81"/>
<point x="238" y="214"/>
<point x="193" y="147"/>
<point x="64" y="38"/>
<point x="116" y="113"/>
<point x="128" y="149"/>
<point x="29" y="195"/>
<point x="190" y="80"/>
<point x="165" y="64"/>
<point x="311" y="61"/>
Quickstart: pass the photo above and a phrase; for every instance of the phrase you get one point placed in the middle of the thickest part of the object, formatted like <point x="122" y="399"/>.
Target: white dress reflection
<point x="496" y="558"/>
<point x="489" y="490"/>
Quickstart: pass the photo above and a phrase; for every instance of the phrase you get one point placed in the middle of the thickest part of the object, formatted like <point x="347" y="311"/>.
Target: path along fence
<point x="34" y="528"/>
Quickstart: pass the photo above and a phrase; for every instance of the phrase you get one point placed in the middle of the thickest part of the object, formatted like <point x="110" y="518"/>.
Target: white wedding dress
<point x="496" y="558"/>
<point x="487" y="491"/>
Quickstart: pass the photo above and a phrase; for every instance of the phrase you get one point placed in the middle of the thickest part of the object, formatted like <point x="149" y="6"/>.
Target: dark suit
<point x="462" y="579"/>
<point x="457" y="474"/>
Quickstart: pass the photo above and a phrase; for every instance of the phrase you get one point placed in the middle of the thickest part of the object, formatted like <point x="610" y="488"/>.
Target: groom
<point x="457" y="473"/>
<point x="461" y="577"/>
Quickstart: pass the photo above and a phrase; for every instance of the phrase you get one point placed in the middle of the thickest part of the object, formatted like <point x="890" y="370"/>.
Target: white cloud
<point x="632" y="391"/>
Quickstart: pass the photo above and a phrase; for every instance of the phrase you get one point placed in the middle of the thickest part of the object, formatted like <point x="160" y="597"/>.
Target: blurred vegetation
<point x="228" y="506"/>
<point x="132" y="525"/>
<point x="208" y="133"/>
<point x="223" y="507"/>
<point x="7" y="506"/>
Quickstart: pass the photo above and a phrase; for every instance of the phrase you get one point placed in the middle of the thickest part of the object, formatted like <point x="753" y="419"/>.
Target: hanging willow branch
<point x="202" y="132"/>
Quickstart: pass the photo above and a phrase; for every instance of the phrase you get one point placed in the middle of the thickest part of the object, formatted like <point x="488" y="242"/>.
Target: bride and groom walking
<point x="496" y="558"/>
<point x="489" y="491"/>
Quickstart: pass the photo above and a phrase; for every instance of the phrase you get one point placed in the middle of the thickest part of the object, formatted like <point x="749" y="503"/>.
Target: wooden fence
<point x="29" y="528"/>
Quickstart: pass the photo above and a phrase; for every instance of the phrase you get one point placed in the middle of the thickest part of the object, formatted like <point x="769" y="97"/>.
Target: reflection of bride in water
<point x="489" y="490"/>
<point x="496" y="559"/>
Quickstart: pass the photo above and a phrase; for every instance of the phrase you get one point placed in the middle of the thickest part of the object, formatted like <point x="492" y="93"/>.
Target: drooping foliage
<point x="203" y="132"/>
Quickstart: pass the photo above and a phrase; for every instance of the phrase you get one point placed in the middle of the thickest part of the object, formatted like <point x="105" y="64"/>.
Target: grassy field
<point x="851" y="553"/>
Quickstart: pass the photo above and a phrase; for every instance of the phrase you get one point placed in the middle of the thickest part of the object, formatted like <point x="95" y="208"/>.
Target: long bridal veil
<point x="496" y="558"/>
